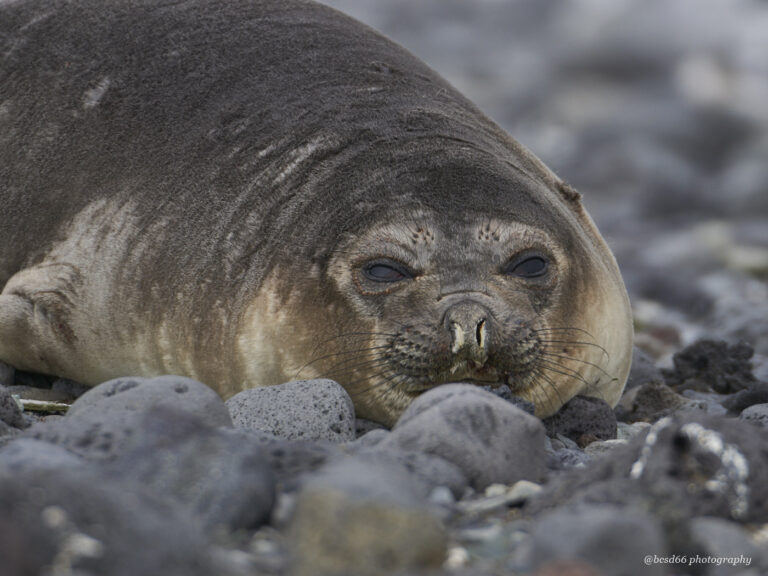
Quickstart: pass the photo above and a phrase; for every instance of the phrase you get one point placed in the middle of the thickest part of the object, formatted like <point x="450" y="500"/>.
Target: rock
<point x="7" y="374"/>
<point x="643" y="370"/>
<point x="504" y="497"/>
<point x="290" y="460"/>
<point x="357" y="516"/>
<point x="73" y="521"/>
<point x="505" y="392"/>
<point x="363" y="427"/>
<point x="603" y="447"/>
<point x="372" y="438"/>
<point x="221" y="477"/>
<point x="716" y="538"/>
<point x="705" y="402"/>
<point x="584" y="420"/>
<point x="300" y="410"/>
<point x="26" y="454"/>
<point x="567" y="458"/>
<point x="69" y="387"/>
<point x="613" y="540"/>
<point x="649" y="402"/>
<point x="489" y="439"/>
<point x="687" y="465"/>
<point x="92" y="434"/>
<point x="10" y="413"/>
<point x="140" y="394"/>
<point x="722" y="367"/>
<point x="626" y="431"/>
<point x="757" y="414"/>
<point x="736" y="403"/>
<point x="429" y="469"/>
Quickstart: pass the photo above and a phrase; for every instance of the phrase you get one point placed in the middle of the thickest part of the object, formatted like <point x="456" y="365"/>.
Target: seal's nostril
<point x="480" y="333"/>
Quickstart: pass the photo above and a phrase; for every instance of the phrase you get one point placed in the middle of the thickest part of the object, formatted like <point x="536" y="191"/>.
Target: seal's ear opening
<point x="570" y="195"/>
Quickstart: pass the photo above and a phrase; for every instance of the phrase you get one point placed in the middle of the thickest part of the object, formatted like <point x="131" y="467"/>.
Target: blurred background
<point x="655" y="110"/>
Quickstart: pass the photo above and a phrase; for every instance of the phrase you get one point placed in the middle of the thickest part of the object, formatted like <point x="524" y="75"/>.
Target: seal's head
<point x="476" y="273"/>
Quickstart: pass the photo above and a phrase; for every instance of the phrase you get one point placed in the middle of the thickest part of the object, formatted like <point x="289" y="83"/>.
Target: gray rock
<point x="643" y="370"/>
<point x="372" y="438"/>
<point x="432" y="471"/>
<point x="756" y="414"/>
<point x="140" y="394"/>
<point x="10" y="413"/>
<point x="364" y="517"/>
<point x="300" y="410"/>
<point x="222" y="478"/>
<point x="75" y="521"/>
<point x="626" y="431"/>
<point x="291" y="460"/>
<point x="489" y="439"/>
<point x="363" y="427"/>
<point x="567" y="458"/>
<point x="604" y="447"/>
<point x="705" y="402"/>
<point x="614" y="540"/>
<point x="728" y="541"/>
<point x="26" y="454"/>
<point x="687" y="465"/>
<point x="93" y="434"/>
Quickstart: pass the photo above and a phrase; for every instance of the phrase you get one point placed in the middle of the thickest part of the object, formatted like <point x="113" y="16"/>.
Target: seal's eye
<point x="528" y="266"/>
<point x="385" y="270"/>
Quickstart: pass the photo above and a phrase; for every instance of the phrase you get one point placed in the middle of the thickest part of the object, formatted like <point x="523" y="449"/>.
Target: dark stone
<point x="722" y="367"/>
<point x="290" y="460"/>
<point x="489" y="439"/>
<point x="7" y="374"/>
<point x="94" y="435"/>
<point x="430" y="470"/>
<point x="363" y="427"/>
<point x="567" y="458"/>
<point x="614" y="540"/>
<point x="10" y="413"/>
<point x="300" y="410"/>
<point x="756" y="414"/>
<point x="141" y="394"/>
<point x="583" y="419"/>
<point x="686" y="465"/>
<point x="118" y="531"/>
<point x="738" y="402"/>
<point x="649" y="402"/>
<point x="364" y="515"/>
<point x="222" y="478"/>
<point x="25" y="454"/>
<point x="505" y="392"/>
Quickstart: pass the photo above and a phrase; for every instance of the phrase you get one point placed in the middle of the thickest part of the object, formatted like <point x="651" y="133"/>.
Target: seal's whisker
<point x="349" y="335"/>
<point x="564" y="370"/>
<point x="577" y="343"/>
<point x="344" y="369"/>
<point x="552" y="386"/>
<point x="375" y="384"/>
<point x="573" y="358"/>
<point x="562" y="329"/>
<point x="342" y="353"/>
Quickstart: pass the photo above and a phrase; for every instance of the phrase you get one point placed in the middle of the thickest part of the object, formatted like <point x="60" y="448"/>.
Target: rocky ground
<point x="656" y="111"/>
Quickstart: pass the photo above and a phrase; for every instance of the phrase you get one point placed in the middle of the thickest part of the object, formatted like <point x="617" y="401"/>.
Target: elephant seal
<point x="252" y="191"/>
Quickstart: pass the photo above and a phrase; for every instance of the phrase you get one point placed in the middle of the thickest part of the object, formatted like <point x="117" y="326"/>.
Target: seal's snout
<point x="469" y="325"/>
